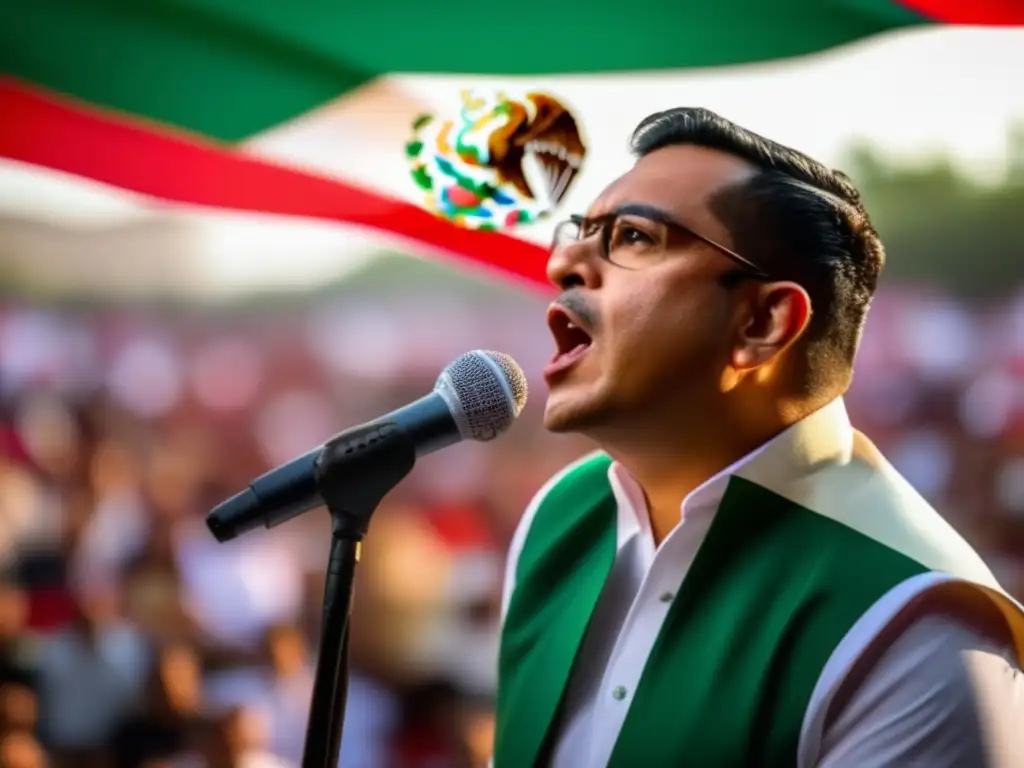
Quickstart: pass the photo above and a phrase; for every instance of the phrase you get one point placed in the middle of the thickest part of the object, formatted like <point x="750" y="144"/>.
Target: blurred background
<point x="152" y="364"/>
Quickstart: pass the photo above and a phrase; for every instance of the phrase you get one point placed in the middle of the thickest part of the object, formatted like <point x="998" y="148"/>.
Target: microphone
<point x="476" y="397"/>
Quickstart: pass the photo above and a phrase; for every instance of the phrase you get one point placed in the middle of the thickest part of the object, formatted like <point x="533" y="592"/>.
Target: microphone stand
<point x="354" y="472"/>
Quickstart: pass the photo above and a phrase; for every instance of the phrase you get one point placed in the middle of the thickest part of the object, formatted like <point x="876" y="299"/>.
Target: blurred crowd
<point x="130" y="638"/>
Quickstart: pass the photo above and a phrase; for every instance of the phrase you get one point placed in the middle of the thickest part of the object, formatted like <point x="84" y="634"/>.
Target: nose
<point x="574" y="264"/>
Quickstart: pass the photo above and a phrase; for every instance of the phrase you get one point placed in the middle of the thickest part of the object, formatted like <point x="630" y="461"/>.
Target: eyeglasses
<point x="637" y="236"/>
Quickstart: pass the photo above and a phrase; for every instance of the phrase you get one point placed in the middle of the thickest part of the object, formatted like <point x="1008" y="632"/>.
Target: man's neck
<point x="670" y="476"/>
<point x="670" y="464"/>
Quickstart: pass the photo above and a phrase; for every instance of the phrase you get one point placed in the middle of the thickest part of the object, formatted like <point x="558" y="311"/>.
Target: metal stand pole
<point x="354" y="472"/>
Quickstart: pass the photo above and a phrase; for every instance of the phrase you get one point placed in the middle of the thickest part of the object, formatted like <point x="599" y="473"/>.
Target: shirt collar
<point x="824" y="437"/>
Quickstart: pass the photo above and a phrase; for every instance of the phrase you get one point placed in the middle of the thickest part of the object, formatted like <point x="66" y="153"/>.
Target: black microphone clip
<point x="357" y="468"/>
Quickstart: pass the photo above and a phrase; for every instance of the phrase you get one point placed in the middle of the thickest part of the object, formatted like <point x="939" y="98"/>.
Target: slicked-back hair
<point x="796" y="219"/>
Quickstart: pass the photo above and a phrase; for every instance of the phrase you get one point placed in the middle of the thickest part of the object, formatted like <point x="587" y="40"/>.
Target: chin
<point x="557" y="423"/>
<point x="565" y="412"/>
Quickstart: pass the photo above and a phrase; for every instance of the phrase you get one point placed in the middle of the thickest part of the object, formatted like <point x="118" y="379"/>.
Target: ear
<point x="778" y="315"/>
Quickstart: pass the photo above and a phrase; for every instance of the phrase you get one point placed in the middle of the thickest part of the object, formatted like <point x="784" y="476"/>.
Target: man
<point x="738" y="578"/>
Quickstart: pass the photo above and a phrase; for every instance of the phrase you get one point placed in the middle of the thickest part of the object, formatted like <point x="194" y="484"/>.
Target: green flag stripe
<point x="193" y="67"/>
<point x="230" y="69"/>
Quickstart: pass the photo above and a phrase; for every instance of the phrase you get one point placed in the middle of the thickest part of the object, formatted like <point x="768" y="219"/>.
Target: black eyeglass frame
<point x="656" y="215"/>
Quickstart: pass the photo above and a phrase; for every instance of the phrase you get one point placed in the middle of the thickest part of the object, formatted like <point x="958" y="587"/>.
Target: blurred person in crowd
<point x="20" y="749"/>
<point x="279" y="683"/>
<point x="117" y="527"/>
<point x="480" y="731"/>
<point x="91" y="676"/>
<point x="236" y="591"/>
<point x="17" y="659"/>
<point x="19" y="499"/>
<point x="169" y="711"/>
<point x="400" y="593"/>
<point x="235" y="739"/>
<point x="281" y="689"/>
<point x="290" y="687"/>
<point x="55" y="503"/>
<point x="434" y="729"/>
<point x="19" y="708"/>
<point x="738" y="554"/>
<point x="462" y="641"/>
<point x="153" y="595"/>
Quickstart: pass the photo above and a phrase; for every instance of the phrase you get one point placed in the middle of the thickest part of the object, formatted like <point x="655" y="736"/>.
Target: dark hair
<point x="796" y="219"/>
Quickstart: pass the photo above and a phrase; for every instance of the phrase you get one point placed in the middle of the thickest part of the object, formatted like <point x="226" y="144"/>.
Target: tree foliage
<point x="943" y="227"/>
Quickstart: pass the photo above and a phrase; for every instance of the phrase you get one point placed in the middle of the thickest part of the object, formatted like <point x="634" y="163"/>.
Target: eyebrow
<point x="646" y="211"/>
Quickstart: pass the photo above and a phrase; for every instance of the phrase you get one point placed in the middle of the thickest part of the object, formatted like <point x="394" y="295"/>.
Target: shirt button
<point x="666" y="597"/>
<point x="619" y="692"/>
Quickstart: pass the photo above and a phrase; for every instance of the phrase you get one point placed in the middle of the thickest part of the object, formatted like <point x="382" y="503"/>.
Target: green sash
<point x="561" y="572"/>
<point x="772" y="591"/>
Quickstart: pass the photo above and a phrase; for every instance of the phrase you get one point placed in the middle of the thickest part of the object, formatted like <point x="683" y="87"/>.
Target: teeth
<point x="549" y="179"/>
<point x="551" y="148"/>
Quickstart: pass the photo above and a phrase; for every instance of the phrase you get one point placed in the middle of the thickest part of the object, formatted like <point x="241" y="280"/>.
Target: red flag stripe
<point x="46" y="130"/>
<point x="976" y="12"/>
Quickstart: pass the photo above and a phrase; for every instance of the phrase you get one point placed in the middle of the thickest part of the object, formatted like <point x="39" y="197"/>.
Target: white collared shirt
<point x="938" y="676"/>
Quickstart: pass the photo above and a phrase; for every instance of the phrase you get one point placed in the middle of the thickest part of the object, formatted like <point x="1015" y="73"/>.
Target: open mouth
<point x="572" y="342"/>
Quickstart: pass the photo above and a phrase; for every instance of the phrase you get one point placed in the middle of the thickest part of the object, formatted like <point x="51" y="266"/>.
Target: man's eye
<point x="626" y="235"/>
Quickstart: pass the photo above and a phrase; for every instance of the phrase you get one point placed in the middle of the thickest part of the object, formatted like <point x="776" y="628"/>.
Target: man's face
<point x="659" y="337"/>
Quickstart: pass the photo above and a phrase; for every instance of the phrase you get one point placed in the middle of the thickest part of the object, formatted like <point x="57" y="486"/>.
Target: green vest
<point x="772" y="591"/>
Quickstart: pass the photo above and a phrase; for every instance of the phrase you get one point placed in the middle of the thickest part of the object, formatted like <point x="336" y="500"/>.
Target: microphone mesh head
<point x="485" y="392"/>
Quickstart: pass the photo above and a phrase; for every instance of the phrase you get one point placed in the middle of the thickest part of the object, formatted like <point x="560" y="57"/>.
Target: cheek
<point x="667" y="326"/>
<point x="667" y="344"/>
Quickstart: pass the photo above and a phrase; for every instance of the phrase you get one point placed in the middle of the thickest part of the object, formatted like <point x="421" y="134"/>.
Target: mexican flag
<point x="290" y="109"/>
